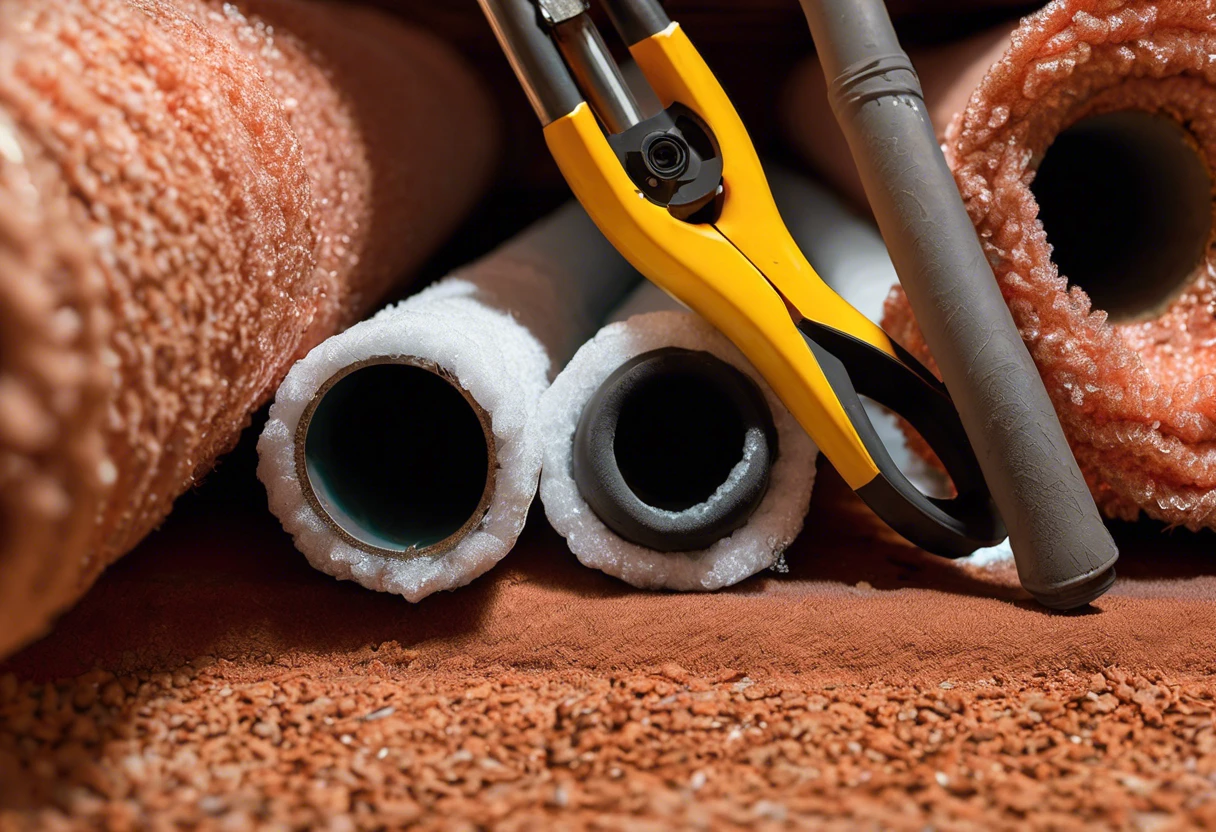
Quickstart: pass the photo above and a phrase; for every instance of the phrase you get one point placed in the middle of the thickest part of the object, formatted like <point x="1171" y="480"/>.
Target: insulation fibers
<point x="497" y="330"/>
<point x="188" y="205"/>
<point x="1135" y="393"/>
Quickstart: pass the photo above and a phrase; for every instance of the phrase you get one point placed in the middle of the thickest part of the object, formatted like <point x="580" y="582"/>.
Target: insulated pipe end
<point x="396" y="457"/>
<point x="675" y="449"/>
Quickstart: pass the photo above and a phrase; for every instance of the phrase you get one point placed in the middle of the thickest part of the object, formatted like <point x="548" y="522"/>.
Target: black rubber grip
<point x="949" y="527"/>
<point x="1065" y="555"/>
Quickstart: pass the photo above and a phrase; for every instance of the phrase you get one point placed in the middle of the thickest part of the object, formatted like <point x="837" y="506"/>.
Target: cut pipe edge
<point x="1126" y="200"/>
<point x="675" y="449"/>
<point x="396" y="457"/>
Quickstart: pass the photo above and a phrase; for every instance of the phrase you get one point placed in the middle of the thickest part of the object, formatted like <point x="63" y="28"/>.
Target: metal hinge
<point x="559" y="11"/>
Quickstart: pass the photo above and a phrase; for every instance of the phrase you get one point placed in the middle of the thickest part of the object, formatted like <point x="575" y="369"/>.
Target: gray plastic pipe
<point x="1065" y="556"/>
<point x="675" y="449"/>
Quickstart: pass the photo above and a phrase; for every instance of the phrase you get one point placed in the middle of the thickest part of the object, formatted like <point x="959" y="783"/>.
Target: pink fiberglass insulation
<point x="1136" y="394"/>
<point x="192" y="194"/>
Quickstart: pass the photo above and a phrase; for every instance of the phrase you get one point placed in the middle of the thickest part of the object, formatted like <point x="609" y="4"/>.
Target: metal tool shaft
<point x="596" y="73"/>
<point x="636" y="20"/>
<point x="542" y="73"/>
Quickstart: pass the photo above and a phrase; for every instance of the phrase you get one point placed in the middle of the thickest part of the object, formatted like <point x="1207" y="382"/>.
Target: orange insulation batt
<point x="1115" y="299"/>
<point x="192" y="194"/>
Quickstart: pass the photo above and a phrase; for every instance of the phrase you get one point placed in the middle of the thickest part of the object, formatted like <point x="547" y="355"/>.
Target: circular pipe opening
<point x="675" y="450"/>
<point x="678" y="437"/>
<point x="1126" y="201"/>
<point x="396" y="457"/>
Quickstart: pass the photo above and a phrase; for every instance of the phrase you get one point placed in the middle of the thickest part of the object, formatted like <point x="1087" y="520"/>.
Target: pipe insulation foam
<point x="404" y="453"/>
<point x="754" y="546"/>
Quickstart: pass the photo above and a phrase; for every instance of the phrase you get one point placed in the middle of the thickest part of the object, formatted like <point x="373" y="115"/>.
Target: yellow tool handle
<point x="700" y="267"/>
<point x="749" y="218"/>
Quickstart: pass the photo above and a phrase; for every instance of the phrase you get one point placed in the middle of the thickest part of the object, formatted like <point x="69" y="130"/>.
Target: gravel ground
<point x="373" y="744"/>
<point x="871" y="686"/>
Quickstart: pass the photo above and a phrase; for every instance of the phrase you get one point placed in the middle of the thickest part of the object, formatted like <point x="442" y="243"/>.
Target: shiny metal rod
<point x="636" y="20"/>
<point x="596" y="73"/>
<point x="525" y="40"/>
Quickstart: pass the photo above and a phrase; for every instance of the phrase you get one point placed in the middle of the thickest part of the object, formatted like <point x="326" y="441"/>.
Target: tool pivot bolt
<point x="666" y="155"/>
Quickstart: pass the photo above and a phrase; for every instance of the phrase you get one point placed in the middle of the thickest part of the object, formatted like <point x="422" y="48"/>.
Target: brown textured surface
<point x="1136" y="399"/>
<point x="374" y="743"/>
<point x="213" y="680"/>
<point x="858" y="604"/>
<point x="203" y="196"/>
<point x="212" y="677"/>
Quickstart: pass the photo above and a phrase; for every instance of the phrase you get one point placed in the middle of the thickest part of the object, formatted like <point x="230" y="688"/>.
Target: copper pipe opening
<point x="396" y="457"/>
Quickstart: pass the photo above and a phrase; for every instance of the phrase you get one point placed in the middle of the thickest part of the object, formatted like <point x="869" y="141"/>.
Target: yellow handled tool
<point x="682" y="195"/>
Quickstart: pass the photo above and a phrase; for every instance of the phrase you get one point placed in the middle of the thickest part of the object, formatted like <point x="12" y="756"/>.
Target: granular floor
<point x="213" y="681"/>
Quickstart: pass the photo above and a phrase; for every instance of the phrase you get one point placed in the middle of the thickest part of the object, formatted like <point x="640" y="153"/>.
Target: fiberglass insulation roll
<point x="194" y="192"/>
<point x="1084" y="158"/>
<point x="404" y="453"/>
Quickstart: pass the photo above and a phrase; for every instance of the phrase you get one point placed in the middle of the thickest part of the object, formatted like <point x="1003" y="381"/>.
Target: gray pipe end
<point x="1078" y="594"/>
<point x="674" y="451"/>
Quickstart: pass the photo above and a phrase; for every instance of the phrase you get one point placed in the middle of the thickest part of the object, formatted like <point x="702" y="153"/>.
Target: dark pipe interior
<point x="677" y="440"/>
<point x="397" y="456"/>
<point x="1126" y="201"/>
<point x="659" y="440"/>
